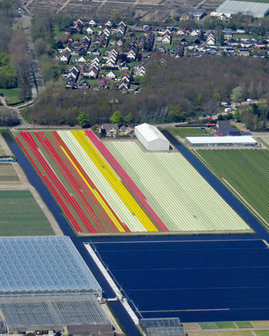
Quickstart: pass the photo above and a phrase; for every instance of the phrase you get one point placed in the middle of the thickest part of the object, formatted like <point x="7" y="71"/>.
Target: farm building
<point x="45" y="284"/>
<point x="215" y="141"/>
<point x="256" y="9"/>
<point x="224" y="128"/>
<point x="151" y="138"/>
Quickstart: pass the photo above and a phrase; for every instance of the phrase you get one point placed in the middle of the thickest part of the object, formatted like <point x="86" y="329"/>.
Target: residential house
<point x="211" y="39"/>
<point x="111" y="129"/>
<point x="92" y="23"/>
<point x="108" y="24"/>
<point x="89" y="31"/>
<point x="111" y="75"/>
<point x="224" y="128"/>
<point x="131" y="56"/>
<point x="125" y="130"/>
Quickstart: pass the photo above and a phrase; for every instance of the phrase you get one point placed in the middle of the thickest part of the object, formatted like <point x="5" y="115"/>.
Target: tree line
<point x="14" y="58"/>
<point x="173" y="90"/>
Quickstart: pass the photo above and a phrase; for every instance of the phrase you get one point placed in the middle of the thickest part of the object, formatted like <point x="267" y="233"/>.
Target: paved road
<point x="26" y="25"/>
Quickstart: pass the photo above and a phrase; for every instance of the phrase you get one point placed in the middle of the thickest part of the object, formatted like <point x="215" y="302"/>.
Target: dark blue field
<point x="197" y="281"/>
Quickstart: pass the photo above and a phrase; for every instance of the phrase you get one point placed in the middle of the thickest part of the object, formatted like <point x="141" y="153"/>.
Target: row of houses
<point x="115" y="56"/>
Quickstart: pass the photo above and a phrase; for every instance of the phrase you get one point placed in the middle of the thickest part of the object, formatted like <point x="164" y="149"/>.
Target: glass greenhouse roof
<point x="39" y="312"/>
<point x="43" y="264"/>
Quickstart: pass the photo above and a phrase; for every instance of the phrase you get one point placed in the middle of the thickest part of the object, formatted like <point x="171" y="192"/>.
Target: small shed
<point x="151" y="137"/>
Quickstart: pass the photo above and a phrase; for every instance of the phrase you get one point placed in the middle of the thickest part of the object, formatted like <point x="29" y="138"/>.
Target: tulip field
<point x="97" y="197"/>
<point x="116" y="188"/>
<point x="181" y="197"/>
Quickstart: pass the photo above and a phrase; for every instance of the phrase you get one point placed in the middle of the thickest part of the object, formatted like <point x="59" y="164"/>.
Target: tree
<point x="236" y="95"/>
<point x="116" y="117"/>
<point x="128" y="118"/>
<point x="83" y="119"/>
<point x="237" y="115"/>
<point x="8" y="117"/>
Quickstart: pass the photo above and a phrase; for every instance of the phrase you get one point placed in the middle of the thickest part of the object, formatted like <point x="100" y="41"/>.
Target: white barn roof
<point x="256" y="9"/>
<point x="150" y="133"/>
<point x="243" y="139"/>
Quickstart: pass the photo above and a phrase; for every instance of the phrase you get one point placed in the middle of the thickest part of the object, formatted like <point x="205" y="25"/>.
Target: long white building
<point x="215" y="141"/>
<point x="151" y="138"/>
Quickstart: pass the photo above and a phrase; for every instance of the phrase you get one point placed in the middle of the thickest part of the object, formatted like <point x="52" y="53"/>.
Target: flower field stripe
<point x="112" y="198"/>
<point x="65" y="170"/>
<point x="105" y="207"/>
<point x="87" y="186"/>
<point x="28" y="138"/>
<point x="69" y="178"/>
<point x="114" y="181"/>
<point x="91" y="189"/>
<point x="52" y="189"/>
<point x="125" y="177"/>
<point x="68" y="198"/>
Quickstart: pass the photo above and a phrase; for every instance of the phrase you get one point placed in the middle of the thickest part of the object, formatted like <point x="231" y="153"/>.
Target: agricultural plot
<point x="7" y="174"/>
<point x="181" y="198"/>
<point x="196" y="281"/>
<point x="90" y="193"/>
<point x="20" y="215"/>
<point x="246" y="171"/>
<point x="184" y="132"/>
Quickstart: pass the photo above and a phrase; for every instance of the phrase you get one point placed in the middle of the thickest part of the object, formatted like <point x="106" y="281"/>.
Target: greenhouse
<point x="45" y="283"/>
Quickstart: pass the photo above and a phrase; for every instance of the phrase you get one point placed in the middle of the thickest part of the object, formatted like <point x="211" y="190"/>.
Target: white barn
<point x="151" y="138"/>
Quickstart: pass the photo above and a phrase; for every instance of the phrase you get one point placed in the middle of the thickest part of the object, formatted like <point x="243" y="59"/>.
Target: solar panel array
<point x="43" y="264"/>
<point x="36" y="312"/>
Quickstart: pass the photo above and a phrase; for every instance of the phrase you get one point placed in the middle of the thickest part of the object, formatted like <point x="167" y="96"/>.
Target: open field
<point x="21" y="216"/>
<point x="246" y="171"/>
<point x="12" y="96"/>
<point x="182" y="199"/>
<point x="184" y="132"/>
<point x="239" y="328"/>
<point x="7" y="174"/>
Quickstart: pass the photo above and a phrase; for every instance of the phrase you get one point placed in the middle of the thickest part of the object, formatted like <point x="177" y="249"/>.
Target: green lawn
<point x="184" y="132"/>
<point x="12" y="96"/>
<point x="21" y="216"/>
<point x="246" y="170"/>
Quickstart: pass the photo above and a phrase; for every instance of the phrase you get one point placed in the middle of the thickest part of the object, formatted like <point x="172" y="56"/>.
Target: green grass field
<point x="184" y="132"/>
<point x="247" y="171"/>
<point x="21" y="216"/>
<point x="12" y="96"/>
<point x="7" y="173"/>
